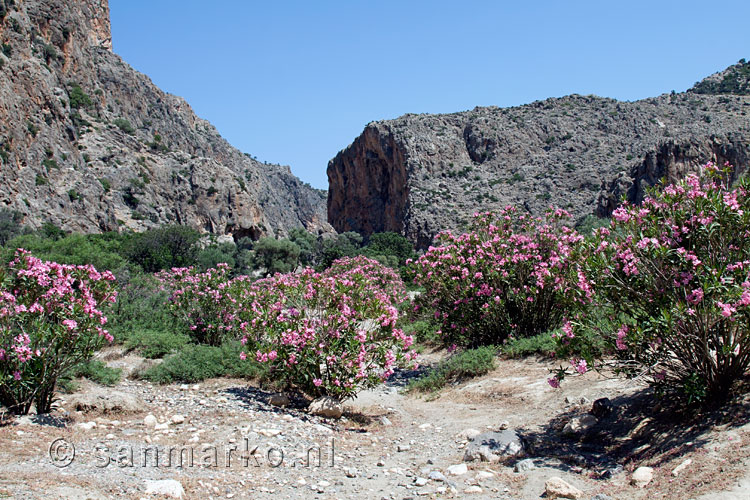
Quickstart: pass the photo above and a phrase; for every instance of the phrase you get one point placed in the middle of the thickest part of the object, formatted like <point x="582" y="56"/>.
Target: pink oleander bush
<point x="672" y="290"/>
<point x="50" y="321"/>
<point x="510" y="275"/>
<point x="332" y="333"/>
<point x="205" y="303"/>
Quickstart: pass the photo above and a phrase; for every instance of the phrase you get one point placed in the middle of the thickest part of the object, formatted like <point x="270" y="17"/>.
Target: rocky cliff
<point x="420" y="174"/>
<point x="90" y="144"/>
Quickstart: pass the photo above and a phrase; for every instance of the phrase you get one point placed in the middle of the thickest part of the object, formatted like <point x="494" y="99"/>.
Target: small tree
<point x="50" y="321"/>
<point x="276" y="256"/>
<point x="672" y="295"/>
<point x="164" y="248"/>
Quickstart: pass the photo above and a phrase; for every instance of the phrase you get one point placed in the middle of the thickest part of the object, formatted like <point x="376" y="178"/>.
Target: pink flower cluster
<point x="50" y="314"/>
<point x="331" y="333"/>
<point x="510" y="274"/>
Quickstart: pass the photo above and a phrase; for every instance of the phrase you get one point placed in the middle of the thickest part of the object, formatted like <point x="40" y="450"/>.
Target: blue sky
<point x="294" y="82"/>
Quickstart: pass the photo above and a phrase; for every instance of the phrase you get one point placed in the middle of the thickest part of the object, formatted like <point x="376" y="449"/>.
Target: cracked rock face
<point x="90" y="144"/>
<point x="421" y="174"/>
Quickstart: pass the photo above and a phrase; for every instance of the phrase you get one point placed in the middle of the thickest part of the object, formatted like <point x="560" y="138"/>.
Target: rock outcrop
<point x="420" y="174"/>
<point x="90" y="144"/>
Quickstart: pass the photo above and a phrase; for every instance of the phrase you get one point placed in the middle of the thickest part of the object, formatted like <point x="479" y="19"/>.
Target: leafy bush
<point x="78" y="98"/>
<point x="213" y="255"/>
<point x="460" y="366"/>
<point x="276" y="256"/>
<point x="543" y="344"/>
<point x="509" y="275"/>
<point x="154" y="344"/>
<point x="10" y="224"/>
<point x="331" y="333"/>
<point x="672" y="276"/>
<point x="205" y="303"/>
<point x="385" y="245"/>
<point x="141" y="311"/>
<point x="103" y="251"/>
<point x="124" y="125"/>
<point x="194" y="363"/>
<point x="94" y="370"/>
<point x="164" y="248"/>
<point x="50" y="321"/>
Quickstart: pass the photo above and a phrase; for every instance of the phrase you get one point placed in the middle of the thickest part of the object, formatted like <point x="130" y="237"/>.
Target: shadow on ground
<point x="640" y="428"/>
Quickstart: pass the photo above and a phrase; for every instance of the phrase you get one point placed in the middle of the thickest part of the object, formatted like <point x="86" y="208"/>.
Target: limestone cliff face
<point x="420" y="174"/>
<point x="90" y="144"/>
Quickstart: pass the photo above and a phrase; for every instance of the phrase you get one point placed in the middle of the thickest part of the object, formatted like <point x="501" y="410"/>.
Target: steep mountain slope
<point x="420" y="174"/>
<point x="90" y="144"/>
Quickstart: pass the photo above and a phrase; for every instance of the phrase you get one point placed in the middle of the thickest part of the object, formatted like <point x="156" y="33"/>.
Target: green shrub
<point x="124" y="125"/>
<point x="461" y="366"/>
<point x="103" y="251"/>
<point x="542" y="344"/>
<point x="423" y="331"/>
<point x="194" y="363"/>
<point x="10" y="224"/>
<point x="153" y="344"/>
<point x="276" y="256"/>
<point x="142" y="307"/>
<point x="78" y="98"/>
<point x="94" y="370"/>
<point x="164" y="248"/>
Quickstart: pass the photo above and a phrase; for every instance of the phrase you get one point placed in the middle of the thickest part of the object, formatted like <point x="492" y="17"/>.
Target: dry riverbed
<point x="129" y="441"/>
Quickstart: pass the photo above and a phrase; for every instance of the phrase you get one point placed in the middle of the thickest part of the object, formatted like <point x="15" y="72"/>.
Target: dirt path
<point x="389" y="445"/>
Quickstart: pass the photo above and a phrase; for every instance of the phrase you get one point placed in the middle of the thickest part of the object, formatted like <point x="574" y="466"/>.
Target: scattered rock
<point x="493" y="446"/>
<point x="420" y="481"/>
<point x="524" y="465"/>
<point x="161" y="427"/>
<point x="279" y="399"/>
<point x="105" y="400"/>
<point x="580" y="425"/>
<point x="602" y="407"/>
<point x="384" y="421"/>
<point x="602" y="496"/>
<point x="457" y="470"/>
<point x="150" y="421"/>
<point x="166" y="487"/>
<point x="473" y="489"/>
<point x="555" y="487"/>
<point x="86" y="426"/>
<point x="269" y="432"/>
<point x="403" y="447"/>
<point x="483" y="474"/>
<point x="178" y="419"/>
<point x="327" y="407"/>
<point x="684" y="465"/>
<point x="467" y="434"/>
<point x="642" y="476"/>
<point x="350" y="472"/>
<point x="437" y="476"/>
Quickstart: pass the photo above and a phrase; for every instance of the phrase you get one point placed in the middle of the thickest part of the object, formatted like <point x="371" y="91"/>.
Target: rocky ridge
<point x="90" y="144"/>
<point x="421" y="174"/>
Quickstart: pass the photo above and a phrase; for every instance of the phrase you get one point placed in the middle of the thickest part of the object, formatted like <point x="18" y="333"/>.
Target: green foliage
<point x="153" y="344"/>
<point x="735" y="81"/>
<point x="73" y="195"/>
<point x="542" y="344"/>
<point x="94" y="370"/>
<point x="10" y="224"/>
<point x="276" y="256"/>
<point x="124" y="125"/>
<point x="213" y="255"/>
<point x="309" y="250"/>
<point x="142" y="307"/>
<point x="78" y="98"/>
<point x="389" y="245"/>
<point x="461" y="366"/>
<point x="346" y="244"/>
<point x="195" y="363"/>
<point x="423" y="331"/>
<point x="587" y="225"/>
<point x="164" y="248"/>
<point x="105" y="184"/>
<point x="103" y="251"/>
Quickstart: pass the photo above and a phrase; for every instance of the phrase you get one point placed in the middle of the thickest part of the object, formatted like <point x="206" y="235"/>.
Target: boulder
<point x="580" y="425"/>
<point x="493" y="446"/>
<point x="602" y="407"/>
<point x="166" y="487"/>
<point x="105" y="400"/>
<point x="642" y="476"/>
<point x="279" y="399"/>
<point x="327" y="407"/>
<point x="555" y="487"/>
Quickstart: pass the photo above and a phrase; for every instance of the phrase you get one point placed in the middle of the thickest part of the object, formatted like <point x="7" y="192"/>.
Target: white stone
<point x="178" y="419"/>
<point x="684" y="465"/>
<point x="468" y="434"/>
<point x="87" y="426"/>
<point x="167" y="487"/>
<point x="269" y="432"/>
<point x="580" y="425"/>
<point x="327" y="407"/>
<point x="150" y="421"/>
<point x="473" y="489"/>
<point x="555" y="487"/>
<point x="457" y="470"/>
<point x="642" y="476"/>
<point x="161" y="427"/>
